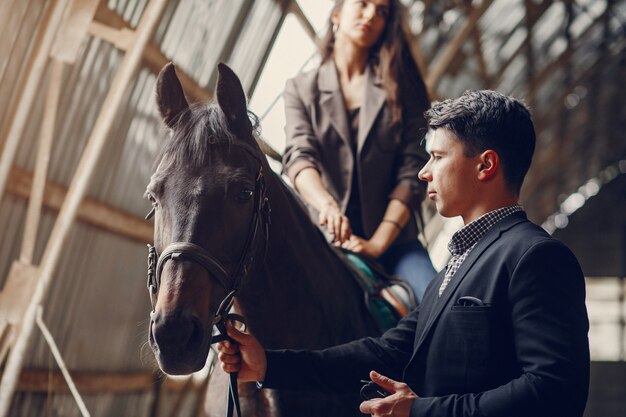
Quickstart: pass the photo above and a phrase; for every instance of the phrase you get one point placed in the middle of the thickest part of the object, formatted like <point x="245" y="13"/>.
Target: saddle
<point x="388" y="298"/>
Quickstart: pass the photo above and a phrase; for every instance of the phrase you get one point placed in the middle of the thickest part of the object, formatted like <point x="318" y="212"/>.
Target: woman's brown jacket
<point x="317" y="136"/>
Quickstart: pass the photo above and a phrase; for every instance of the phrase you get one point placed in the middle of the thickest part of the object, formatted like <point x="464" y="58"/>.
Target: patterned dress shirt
<point x="464" y="240"/>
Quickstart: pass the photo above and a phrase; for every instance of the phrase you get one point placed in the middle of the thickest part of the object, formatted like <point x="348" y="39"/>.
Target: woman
<point x="353" y="130"/>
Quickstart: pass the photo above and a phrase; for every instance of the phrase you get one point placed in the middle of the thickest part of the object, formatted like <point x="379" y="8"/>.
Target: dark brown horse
<point x="211" y="193"/>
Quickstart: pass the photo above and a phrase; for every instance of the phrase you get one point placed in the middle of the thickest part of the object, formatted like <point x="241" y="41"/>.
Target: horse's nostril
<point x="176" y="331"/>
<point x="197" y="334"/>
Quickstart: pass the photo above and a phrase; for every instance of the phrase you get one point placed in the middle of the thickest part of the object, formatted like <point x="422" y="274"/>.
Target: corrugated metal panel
<point x="256" y="37"/>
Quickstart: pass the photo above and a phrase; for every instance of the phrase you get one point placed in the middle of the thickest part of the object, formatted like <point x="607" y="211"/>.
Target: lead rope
<point x="233" y="393"/>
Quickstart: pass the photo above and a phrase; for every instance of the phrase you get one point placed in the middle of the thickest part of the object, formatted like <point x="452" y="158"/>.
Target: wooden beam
<point x="443" y="61"/>
<point x="91" y="211"/>
<point x="153" y="58"/>
<point x="538" y="11"/>
<point x="228" y="46"/>
<point x="120" y="38"/>
<point x="33" y="212"/>
<point x="109" y="17"/>
<point x="297" y="11"/>
<point x="480" y="56"/>
<point x="267" y="149"/>
<point x="548" y="70"/>
<point x="44" y="382"/>
<point x="14" y="297"/>
<point x="413" y="40"/>
<point x="92" y="383"/>
<point x="73" y="30"/>
<point x="284" y="4"/>
<point x="530" y="19"/>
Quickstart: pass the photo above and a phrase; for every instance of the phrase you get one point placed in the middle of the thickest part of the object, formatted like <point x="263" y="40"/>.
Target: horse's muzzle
<point x="179" y="341"/>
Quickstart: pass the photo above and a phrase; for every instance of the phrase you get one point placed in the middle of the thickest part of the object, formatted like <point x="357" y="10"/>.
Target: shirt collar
<point x="465" y="238"/>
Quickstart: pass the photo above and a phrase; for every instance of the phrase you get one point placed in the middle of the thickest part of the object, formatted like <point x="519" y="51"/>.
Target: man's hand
<point x="397" y="404"/>
<point x="357" y="244"/>
<point x="335" y="221"/>
<point x="247" y="356"/>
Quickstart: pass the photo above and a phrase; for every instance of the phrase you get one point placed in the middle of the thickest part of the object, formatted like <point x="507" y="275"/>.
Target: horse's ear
<point x="232" y="100"/>
<point x="170" y="96"/>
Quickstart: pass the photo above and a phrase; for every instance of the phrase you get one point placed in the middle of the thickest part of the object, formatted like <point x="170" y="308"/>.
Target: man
<point x="502" y="331"/>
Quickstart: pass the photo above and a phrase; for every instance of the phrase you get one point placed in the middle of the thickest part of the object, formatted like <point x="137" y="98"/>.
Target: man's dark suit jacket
<point x="524" y="353"/>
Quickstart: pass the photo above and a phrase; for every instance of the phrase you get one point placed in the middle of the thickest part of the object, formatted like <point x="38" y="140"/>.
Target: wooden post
<point x="41" y="167"/>
<point x="31" y="88"/>
<point x="73" y="32"/>
<point x="438" y="69"/>
<point x="14" y="299"/>
<point x="126" y="72"/>
<point x="295" y="8"/>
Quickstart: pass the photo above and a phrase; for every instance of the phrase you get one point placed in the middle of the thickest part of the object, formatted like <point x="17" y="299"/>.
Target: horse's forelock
<point x="189" y="143"/>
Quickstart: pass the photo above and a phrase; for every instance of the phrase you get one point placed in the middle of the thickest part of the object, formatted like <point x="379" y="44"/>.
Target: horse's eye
<point x="245" y="195"/>
<point x="154" y="206"/>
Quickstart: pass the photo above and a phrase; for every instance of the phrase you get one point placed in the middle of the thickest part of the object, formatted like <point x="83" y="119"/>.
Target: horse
<point x="215" y="240"/>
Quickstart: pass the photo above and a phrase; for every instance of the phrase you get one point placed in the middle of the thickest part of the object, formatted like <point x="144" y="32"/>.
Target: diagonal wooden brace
<point x="14" y="300"/>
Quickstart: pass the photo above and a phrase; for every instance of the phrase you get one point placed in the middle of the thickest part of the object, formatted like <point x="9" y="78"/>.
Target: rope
<point x="59" y="359"/>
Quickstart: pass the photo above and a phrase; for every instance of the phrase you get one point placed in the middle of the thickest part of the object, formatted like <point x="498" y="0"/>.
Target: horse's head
<point x="208" y="200"/>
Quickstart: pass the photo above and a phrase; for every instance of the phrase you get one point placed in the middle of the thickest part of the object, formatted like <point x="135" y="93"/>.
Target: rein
<point x="230" y="282"/>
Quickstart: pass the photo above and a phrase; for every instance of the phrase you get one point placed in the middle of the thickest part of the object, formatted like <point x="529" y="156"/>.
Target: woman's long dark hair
<point x="392" y="59"/>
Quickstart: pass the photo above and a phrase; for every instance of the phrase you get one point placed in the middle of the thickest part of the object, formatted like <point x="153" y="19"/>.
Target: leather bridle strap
<point x="230" y="282"/>
<point x="232" y="403"/>
<point x="197" y="254"/>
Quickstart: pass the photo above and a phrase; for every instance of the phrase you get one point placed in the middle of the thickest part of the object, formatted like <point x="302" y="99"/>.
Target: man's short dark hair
<point x="489" y="120"/>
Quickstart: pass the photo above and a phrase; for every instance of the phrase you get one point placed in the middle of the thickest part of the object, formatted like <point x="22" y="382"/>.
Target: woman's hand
<point x="335" y="221"/>
<point x="396" y="217"/>
<point x="246" y="356"/>
<point x="357" y="244"/>
<point x="308" y="183"/>
<point x="397" y="404"/>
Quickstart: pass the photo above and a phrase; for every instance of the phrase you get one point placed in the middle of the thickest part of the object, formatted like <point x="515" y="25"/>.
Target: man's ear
<point x="489" y="165"/>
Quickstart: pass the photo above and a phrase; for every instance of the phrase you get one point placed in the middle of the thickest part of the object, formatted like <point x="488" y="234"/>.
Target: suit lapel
<point x="428" y="303"/>
<point x="331" y="99"/>
<point x="373" y="101"/>
<point x="439" y="303"/>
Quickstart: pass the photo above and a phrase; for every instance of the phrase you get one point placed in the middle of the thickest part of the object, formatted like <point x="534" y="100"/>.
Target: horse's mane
<point x="198" y="127"/>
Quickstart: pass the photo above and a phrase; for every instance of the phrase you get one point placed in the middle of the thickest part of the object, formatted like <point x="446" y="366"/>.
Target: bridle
<point x="187" y="250"/>
<point x="231" y="282"/>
